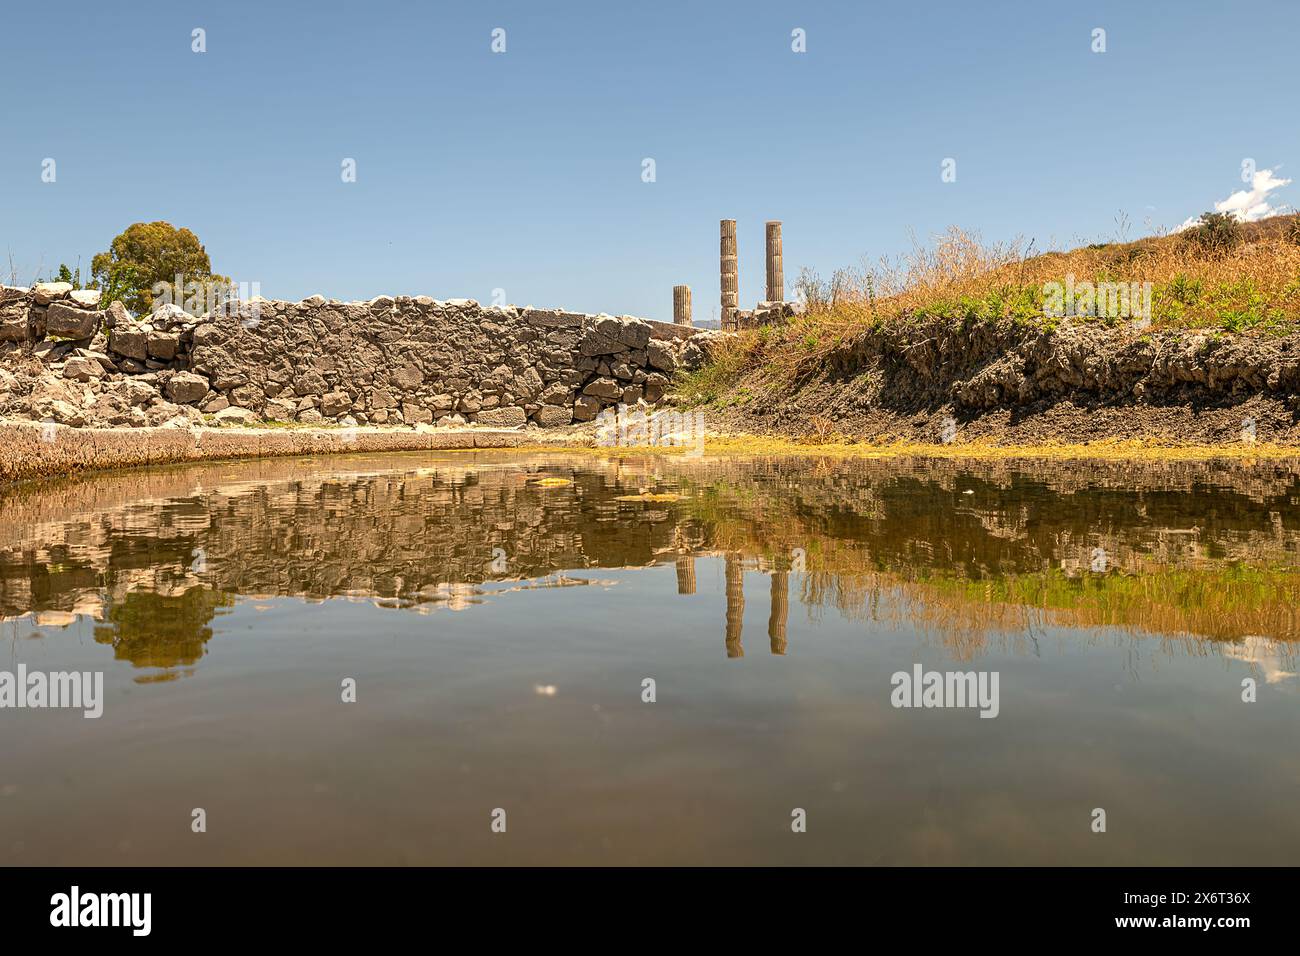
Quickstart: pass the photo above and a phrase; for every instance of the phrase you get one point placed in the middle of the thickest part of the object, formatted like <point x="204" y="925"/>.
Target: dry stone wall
<point x="415" y="360"/>
<point x="404" y="360"/>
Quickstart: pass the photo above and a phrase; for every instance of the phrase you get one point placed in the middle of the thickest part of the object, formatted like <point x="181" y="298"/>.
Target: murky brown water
<point x="499" y="628"/>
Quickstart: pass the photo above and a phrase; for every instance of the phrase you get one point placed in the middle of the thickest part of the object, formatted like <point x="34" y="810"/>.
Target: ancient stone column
<point x="735" y="574"/>
<point x="775" y="273"/>
<point x="780" y="611"/>
<point x="686" y="574"/>
<point x="728" y="273"/>
<point x="681" y="305"/>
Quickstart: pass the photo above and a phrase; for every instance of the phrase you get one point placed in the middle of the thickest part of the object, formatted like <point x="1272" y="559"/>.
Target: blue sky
<point x="523" y="170"/>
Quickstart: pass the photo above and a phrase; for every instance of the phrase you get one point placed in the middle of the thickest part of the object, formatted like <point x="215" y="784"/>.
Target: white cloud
<point x="1261" y="653"/>
<point x="1248" y="205"/>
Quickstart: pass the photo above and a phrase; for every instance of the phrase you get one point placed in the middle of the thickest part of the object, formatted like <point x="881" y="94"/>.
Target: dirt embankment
<point x="1003" y="381"/>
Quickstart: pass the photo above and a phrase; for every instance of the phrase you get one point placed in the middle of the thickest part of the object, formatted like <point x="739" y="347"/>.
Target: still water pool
<point x="505" y="618"/>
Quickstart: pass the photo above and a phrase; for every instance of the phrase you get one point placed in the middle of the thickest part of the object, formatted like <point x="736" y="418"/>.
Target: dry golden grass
<point x="957" y="260"/>
<point x="959" y="267"/>
<point x="1127" y="450"/>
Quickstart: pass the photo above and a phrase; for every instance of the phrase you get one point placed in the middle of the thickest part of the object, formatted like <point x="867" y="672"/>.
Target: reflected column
<point x="780" y="611"/>
<point x="735" y="574"/>
<point x="686" y="574"/>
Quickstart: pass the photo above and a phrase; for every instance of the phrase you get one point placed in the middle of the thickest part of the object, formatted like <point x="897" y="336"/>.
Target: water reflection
<point x="970" y="554"/>
<point x="500" y="628"/>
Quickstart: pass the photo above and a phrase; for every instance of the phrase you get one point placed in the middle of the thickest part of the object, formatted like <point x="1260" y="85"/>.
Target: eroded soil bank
<point x="919" y="387"/>
<point x="1012" y="383"/>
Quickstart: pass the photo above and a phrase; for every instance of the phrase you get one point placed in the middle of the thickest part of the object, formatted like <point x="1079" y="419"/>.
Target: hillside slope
<point x="1188" y="337"/>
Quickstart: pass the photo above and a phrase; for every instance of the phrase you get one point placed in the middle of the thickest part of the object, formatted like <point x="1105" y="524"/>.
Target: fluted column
<point x="729" y="273"/>
<point x="681" y="305"/>
<point x="686" y="574"/>
<point x="780" y="612"/>
<point x="775" y="270"/>
<point x="735" y="574"/>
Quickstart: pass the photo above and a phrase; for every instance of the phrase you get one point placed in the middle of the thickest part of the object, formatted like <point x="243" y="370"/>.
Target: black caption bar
<point x="545" y="906"/>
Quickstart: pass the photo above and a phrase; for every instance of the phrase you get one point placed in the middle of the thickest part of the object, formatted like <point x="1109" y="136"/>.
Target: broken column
<point x="735" y="589"/>
<point x="681" y="305"/>
<point x="685" y="574"/>
<point x="775" y="272"/>
<point x="780" y="612"/>
<point x="728" y="273"/>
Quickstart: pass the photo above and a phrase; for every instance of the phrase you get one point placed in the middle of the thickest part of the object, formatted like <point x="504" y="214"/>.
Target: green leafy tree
<point x="121" y="284"/>
<point x="1216" y="233"/>
<point x="73" y="278"/>
<point x="146" y="254"/>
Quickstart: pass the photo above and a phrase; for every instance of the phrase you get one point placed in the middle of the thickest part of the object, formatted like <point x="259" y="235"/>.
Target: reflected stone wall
<point x="154" y="556"/>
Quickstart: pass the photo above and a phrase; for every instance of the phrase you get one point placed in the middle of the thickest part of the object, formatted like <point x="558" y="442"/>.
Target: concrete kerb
<point x="37" y="449"/>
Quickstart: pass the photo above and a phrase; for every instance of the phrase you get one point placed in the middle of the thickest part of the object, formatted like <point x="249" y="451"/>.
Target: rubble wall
<point x="403" y="360"/>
